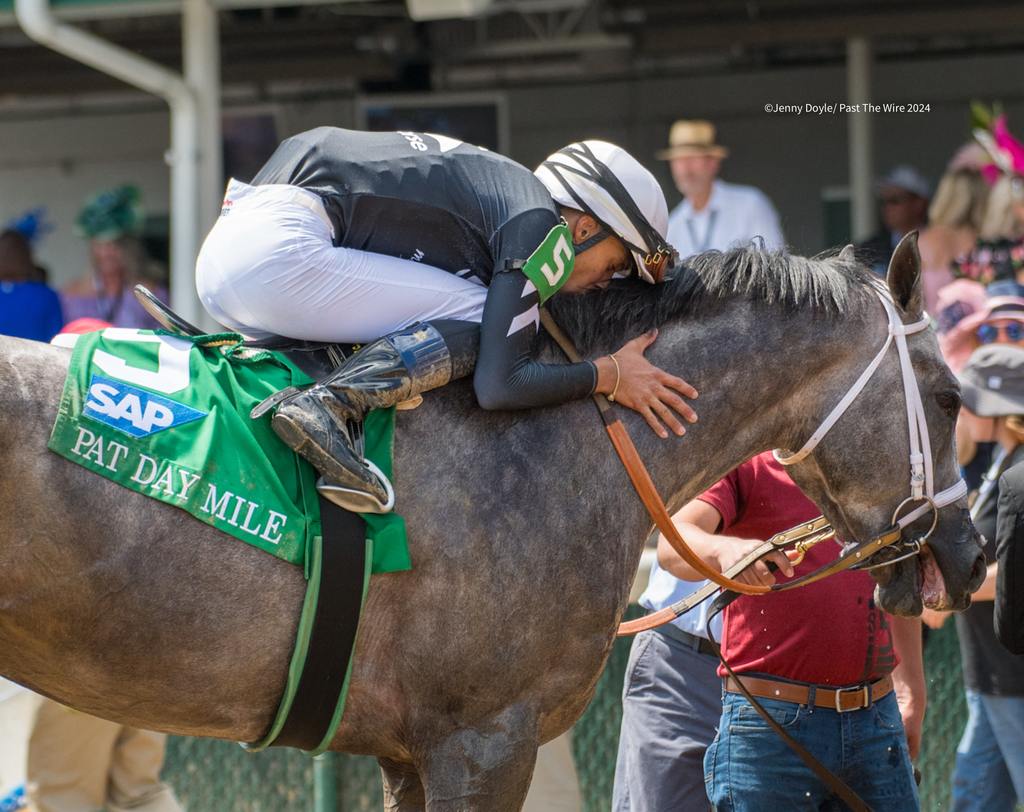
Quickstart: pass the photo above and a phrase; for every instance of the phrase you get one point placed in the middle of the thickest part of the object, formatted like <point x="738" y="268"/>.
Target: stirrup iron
<point x="358" y="501"/>
<point x="272" y="402"/>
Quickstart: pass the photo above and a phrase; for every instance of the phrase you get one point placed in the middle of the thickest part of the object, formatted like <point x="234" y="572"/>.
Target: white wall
<point x="58" y="161"/>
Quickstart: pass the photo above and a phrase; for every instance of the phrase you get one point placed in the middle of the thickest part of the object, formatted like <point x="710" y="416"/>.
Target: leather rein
<point x="803" y="536"/>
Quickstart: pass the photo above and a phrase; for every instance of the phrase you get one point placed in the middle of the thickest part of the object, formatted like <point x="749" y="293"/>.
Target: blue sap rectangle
<point x="132" y="410"/>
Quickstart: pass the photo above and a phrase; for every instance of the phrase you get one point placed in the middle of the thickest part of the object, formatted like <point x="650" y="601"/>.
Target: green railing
<point x="212" y="776"/>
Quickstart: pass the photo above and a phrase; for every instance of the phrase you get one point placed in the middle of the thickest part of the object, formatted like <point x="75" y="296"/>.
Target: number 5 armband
<point x="551" y="264"/>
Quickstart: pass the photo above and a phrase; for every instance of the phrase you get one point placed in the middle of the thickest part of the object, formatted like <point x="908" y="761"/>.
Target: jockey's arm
<point x="507" y="376"/>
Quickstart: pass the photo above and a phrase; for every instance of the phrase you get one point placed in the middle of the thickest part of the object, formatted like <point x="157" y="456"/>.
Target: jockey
<point x="446" y="250"/>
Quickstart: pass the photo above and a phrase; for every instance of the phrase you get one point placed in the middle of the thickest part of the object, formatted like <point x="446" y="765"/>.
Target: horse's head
<point x="861" y="471"/>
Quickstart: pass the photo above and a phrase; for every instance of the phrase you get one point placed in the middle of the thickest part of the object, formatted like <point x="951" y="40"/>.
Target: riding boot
<point x="393" y="369"/>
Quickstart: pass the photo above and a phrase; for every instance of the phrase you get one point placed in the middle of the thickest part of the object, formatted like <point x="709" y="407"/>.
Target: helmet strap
<point x="600" y="236"/>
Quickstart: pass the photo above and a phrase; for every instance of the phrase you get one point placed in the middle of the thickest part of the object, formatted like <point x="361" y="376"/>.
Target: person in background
<point x="989" y="771"/>
<point x="80" y="763"/>
<point x="954" y="303"/>
<point x="28" y="308"/>
<point x="998" y="319"/>
<point x="1008" y="611"/>
<point x="903" y="195"/>
<point x="33" y="225"/>
<point x="997" y="258"/>
<point x="112" y="221"/>
<point x="954" y="220"/>
<point x="714" y="214"/>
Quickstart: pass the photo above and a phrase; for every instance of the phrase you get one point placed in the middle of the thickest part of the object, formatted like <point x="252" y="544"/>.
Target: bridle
<point x="922" y="474"/>
<point x="802" y="537"/>
<point x="922" y="485"/>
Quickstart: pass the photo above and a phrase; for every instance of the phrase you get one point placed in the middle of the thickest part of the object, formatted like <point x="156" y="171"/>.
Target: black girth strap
<point x="334" y="629"/>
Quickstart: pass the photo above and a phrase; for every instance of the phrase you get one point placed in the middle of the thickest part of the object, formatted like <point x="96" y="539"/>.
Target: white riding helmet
<point x="609" y="184"/>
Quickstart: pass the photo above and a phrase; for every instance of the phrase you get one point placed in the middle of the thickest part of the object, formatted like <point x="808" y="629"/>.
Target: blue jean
<point x="989" y="772"/>
<point x="749" y="767"/>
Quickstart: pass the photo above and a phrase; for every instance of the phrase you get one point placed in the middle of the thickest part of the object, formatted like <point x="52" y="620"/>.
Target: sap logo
<point x="134" y="411"/>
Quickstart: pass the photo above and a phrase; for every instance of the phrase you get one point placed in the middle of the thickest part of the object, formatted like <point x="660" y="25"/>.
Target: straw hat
<point x="691" y="138"/>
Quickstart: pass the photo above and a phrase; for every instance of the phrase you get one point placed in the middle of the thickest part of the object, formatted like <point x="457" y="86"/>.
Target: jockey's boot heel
<point x="391" y="370"/>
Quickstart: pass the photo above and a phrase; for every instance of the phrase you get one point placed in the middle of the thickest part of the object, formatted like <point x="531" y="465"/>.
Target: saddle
<point x="316" y="359"/>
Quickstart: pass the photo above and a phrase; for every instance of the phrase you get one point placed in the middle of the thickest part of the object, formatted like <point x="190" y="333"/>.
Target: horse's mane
<point x="828" y="283"/>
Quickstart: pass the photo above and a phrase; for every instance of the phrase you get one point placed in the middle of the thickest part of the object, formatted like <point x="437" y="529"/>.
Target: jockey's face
<point x="596" y="266"/>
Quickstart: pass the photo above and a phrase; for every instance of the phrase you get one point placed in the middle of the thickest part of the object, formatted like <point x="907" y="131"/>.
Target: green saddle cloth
<point x="168" y="416"/>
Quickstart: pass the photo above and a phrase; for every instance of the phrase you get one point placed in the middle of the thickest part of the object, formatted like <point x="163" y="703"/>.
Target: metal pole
<point x="201" y="46"/>
<point x="861" y="138"/>
<point x="325" y="783"/>
<point x="37" y="20"/>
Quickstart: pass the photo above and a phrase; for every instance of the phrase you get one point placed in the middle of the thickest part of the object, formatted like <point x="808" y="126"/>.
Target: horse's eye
<point x="949" y="402"/>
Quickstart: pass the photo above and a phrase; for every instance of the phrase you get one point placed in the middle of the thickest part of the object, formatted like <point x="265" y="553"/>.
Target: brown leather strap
<point x="816" y="528"/>
<point x="648" y="494"/>
<point x="852" y="556"/>
<point x="842" y="700"/>
<point x="641" y="479"/>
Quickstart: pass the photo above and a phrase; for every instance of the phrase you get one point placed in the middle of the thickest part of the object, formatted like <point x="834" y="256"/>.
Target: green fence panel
<point x="213" y="776"/>
<point x="945" y="718"/>
<point x="217" y="776"/>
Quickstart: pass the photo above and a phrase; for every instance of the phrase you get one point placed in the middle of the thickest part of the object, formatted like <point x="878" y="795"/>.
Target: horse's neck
<point x="763" y="381"/>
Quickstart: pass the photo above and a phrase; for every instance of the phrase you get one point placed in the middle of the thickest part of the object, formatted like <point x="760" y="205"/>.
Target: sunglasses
<point x="1012" y="332"/>
<point x="895" y="200"/>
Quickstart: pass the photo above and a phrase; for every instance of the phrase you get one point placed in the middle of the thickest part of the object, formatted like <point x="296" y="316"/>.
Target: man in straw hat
<point x="678" y="680"/>
<point x="714" y="214"/>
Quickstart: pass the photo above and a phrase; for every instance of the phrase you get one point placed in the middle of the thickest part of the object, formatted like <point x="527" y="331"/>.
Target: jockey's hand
<point x="645" y="388"/>
<point x="730" y="549"/>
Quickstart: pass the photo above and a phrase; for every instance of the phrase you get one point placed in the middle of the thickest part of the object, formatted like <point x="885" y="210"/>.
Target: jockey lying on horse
<point x="347" y="236"/>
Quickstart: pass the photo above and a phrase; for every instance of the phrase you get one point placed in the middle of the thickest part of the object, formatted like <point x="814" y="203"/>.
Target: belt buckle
<point x="865" y="689"/>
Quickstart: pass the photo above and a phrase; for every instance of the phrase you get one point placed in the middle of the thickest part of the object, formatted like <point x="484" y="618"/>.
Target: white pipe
<point x="201" y="42"/>
<point x="861" y="143"/>
<point x="38" y="22"/>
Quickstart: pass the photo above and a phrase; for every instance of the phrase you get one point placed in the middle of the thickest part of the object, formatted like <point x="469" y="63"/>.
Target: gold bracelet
<point x="618" y="377"/>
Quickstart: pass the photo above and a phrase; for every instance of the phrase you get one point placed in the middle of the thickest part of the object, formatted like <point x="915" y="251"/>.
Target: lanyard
<point x="698" y="245"/>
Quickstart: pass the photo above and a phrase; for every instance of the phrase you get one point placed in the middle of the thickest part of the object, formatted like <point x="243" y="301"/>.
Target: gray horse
<point x="525" y="533"/>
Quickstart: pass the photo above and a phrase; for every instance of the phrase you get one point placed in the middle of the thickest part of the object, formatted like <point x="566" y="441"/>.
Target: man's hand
<point x="934" y="619"/>
<point x="912" y="712"/>
<point x="731" y="549"/>
<point x="645" y="388"/>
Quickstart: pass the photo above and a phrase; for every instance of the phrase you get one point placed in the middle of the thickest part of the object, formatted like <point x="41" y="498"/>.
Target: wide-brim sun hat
<point x="691" y="137"/>
<point x="606" y="182"/>
<point x="992" y="382"/>
<point x="959" y="341"/>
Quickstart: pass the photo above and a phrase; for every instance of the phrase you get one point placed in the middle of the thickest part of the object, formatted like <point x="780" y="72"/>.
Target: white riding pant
<point x="269" y="267"/>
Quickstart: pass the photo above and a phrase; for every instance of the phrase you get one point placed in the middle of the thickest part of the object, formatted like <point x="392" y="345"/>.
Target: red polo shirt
<point x="827" y="633"/>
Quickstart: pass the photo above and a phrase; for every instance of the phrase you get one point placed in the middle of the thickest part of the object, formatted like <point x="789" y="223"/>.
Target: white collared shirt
<point x="734" y="215"/>
<point x="664" y="589"/>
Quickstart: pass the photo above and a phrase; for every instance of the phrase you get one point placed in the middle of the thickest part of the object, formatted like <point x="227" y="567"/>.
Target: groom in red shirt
<point x="822" y="659"/>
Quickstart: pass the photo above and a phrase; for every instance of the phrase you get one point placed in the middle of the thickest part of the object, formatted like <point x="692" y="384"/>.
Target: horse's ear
<point x="904" y="276"/>
<point x="847" y="255"/>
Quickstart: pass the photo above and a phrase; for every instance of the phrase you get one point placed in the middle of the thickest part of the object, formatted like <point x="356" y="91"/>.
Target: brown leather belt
<point x="842" y="700"/>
